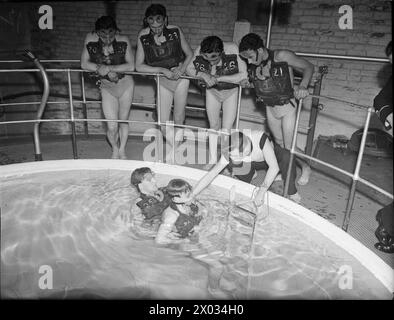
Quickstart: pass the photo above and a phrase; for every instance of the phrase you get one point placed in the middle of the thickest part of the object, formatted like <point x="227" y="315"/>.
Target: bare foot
<point x="295" y="197"/>
<point x="115" y="154"/>
<point x="304" y="179"/>
<point x="122" y="155"/>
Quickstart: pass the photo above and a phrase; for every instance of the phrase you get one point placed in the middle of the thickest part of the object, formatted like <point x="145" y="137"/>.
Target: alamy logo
<point x="46" y="20"/>
<point x="345" y="274"/>
<point x="46" y="280"/>
<point x="346" y="20"/>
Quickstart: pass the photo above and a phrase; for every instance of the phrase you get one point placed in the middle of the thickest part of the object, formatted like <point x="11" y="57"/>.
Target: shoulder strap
<point x="263" y="139"/>
<point x="271" y="54"/>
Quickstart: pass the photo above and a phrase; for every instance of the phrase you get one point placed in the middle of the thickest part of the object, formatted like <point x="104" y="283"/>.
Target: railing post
<point x="73" y="134"/>
<point x="159" y="136"/>
<point x="268" y="39"/>
<point x="41" y="108"/>
<point x="355" y="178"/>
<point x="238" y="107"/>
<point x="314" y="111"/>
<point x="292" y="149"/>
<point x="84" y="106"/>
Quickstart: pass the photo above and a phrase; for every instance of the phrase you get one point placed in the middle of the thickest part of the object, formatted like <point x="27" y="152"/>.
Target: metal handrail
<point x="41" y="108"/>
<point x="355" y="176"/>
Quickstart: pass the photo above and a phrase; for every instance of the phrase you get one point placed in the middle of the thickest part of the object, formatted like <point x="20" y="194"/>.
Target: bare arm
<point x="209" y="176"/>
<point x="191" y="68"/>
<point x="165" y="229"/>
<point x="301" y="65"/>
<point x="187" y="51"/>
<point x="273" y="169"/>
<point x="85" y="58"/>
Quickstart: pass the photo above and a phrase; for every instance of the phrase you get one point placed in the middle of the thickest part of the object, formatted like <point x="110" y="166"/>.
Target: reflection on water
<point x="70" y="222"/>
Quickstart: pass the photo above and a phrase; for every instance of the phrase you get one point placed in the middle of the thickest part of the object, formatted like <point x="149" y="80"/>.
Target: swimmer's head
<point x="211" y="49"/>
<point x="240" y="146"/>
<point x="251" y="48"/>
<point x="178" y="188"/>
<point x="106" y="29"/>
<point x="144" y="180"/>
<point x="156" y="18"/>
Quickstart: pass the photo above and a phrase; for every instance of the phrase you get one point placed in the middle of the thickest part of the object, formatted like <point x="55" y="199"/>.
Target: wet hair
<point x="238" y="141"/>
<point x="389" y="49"/>
<point x="138" y="175"/>
<point x="105" y="23"/>
<point x="156" y="9"/>
<point x="178" y="186"/>
<point x="211" y="44"/>
<point x="251" y="41"/>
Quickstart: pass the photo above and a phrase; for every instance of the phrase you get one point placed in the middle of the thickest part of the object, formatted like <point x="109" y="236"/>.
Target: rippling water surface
<point x="70" y="221"/>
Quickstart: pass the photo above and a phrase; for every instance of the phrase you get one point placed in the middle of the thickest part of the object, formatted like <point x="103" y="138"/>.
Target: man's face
<point x="213" y="58"/>
<point x="156" y="23"/>
<point x="106" y="35"/>
<point x="149" y="183"/>
<point x="252" y="56"/>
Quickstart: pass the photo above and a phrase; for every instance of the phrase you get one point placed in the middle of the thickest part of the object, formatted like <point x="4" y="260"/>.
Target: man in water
<point x="148" y="208"/>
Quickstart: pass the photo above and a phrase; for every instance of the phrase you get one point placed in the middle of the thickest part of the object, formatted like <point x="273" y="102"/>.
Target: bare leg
<point x="180" y="98"/>
<point x="110" y="106"/>
<point x="229" y="115"/>
<point x="230" y="111"/>
<point x="288" y="123"/>
<point x="166" y="97"/>
<point x="213" y="107"/>
<point x="124" y="111"/>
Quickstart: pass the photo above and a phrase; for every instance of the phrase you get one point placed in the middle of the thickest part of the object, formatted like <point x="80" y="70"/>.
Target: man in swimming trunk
<point x="221" y="69"/>
<point x="383" y="104"/>
<point x="271" y="73"/>
<point x="162" y="48"/>
<point x="250" y="151"/>
<point x="108" y="54"/>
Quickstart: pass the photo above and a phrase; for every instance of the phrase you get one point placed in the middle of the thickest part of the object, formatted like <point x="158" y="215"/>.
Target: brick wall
<point x="312" y="27"/>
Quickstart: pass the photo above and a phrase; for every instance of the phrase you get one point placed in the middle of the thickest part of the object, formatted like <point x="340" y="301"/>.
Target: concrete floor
<point x="325" y="194"/>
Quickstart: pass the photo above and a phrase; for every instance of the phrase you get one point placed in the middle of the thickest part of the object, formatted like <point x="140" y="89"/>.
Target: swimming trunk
<point x="117" y="89"/>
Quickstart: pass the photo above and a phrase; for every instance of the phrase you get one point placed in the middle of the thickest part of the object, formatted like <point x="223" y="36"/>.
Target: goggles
<point x="158" y="19"/>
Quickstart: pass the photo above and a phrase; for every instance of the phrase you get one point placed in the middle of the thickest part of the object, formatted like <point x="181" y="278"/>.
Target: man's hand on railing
<point x="209" y="80"/>
<point x="103" y="70"/>
<point x="113" y="76"/>
<point x="168" y="73"/>
<point x="245" y="84"/>
<point x="301" y="92"/>
<point x="177" y="72"/>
